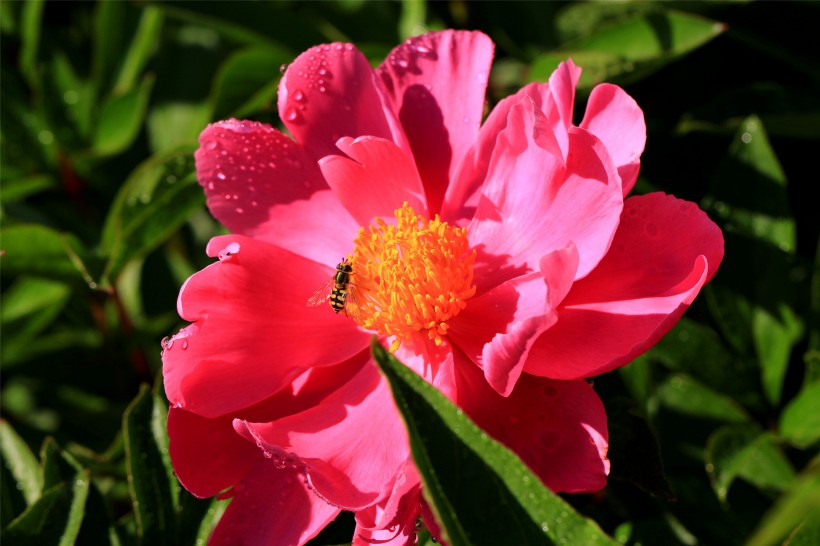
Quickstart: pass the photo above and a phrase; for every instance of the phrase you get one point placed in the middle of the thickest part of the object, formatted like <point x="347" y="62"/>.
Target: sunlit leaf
<point x="800" y="420"/>
<point x="157" y="198"/>
<point x="21" y="462"/>
<point x="464" y="472"/>
<point x="141" y="48"/>
<point x="121" y="118"/>
<point x="741" y="451"/>
<point x="39" y="250"/>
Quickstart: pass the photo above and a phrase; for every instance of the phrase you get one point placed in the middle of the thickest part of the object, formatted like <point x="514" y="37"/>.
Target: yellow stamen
<point x="412" y="277"/>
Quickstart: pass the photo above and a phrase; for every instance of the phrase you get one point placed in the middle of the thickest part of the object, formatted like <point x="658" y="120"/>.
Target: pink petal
<point x="554" y="100"/>
<point x="498" y="328"/>
<point x="531" y="205"/>
<point x="253" y="332"/>
<point x="208" y="455"/>
<point x="329" y="92"/>
<point x="392" y="520"/>
<point x="270" y="507"/>
<point x="432" y="362"/>
<point x="375" y="180"/>
<point x="558" y="428"/>
<point x="352" y="443"/>
<point x="262" y="184"/>
<point x="617" y="120"/>
<point x="665" y="250"/>
<point x="436" y="83"/>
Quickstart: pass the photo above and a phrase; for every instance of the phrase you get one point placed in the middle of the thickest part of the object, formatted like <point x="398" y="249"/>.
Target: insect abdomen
<point x="337" y="297"/>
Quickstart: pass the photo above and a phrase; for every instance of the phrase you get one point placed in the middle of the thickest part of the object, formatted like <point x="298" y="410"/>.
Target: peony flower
<point x="501" y="261"/>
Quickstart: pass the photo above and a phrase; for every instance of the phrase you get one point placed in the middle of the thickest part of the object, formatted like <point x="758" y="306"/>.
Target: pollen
<point x="412" y="277"/>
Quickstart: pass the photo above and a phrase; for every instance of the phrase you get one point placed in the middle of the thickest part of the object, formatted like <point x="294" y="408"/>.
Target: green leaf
<point x="632" y="47"/>
<point x="55" y="518"/>
<point x="480" y="491"/>
<point x="749" y="195"/>
<point x="800" y="420"/>
<point x="808" y="533"/>
<point x="241" y="79"/>
<point x="689" y="397"/>
<point x="41" y="251"/>
<point x="148" y="481"/>
<point x="800" y="502"/>
<point x="21" y="462"/>
<point x="121" y="118"/>
<point x="158" y="197"/>
<point x="30" y="25"/>
<point x="145" y="41"/>
<point x="56" y="467"/>
<point x="29" y="295"/>
<point x="745" y="452"/>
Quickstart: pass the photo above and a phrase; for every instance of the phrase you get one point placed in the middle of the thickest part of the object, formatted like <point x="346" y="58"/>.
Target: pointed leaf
<point x="148" y="481"/>
<point x="39" y="250"/>
<point x="121" y="119"/>
<point x="800" y="420"/>
<point x="744" y="452"/>
<point x="465" y="472"/>
<point x="21" y="462"/>
<point x="158" y="197"/>
<point x="689" y="397"/>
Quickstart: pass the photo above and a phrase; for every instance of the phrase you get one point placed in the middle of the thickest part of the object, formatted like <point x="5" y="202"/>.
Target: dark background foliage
<point x="714" y="432"/>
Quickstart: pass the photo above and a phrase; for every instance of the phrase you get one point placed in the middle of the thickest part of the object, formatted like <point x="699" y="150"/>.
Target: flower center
<point x="412" y="277"/>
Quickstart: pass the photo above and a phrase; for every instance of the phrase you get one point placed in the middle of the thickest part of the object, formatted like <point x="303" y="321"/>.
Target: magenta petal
<point x="262" y="184"/>
<point x="554" y="100"/>
<point x="616" y="119"/>
<point x="271" y="507"/>
<point x="392" y="520"/>
<point x="436" y="84"/>
<point x="531" y="204"/>
<point x="352" y="443"/>
<point x="208" y="455"/>
<point x="329" y="92"/>
<point x="665" y="250"/>
<point x="374" y="180"/>
<point x="558" y="428"/>
<point x="251" y="337"/>
<point x="498" y="328"/>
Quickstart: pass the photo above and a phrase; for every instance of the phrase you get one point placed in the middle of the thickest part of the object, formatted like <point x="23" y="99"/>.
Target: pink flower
<point x="499" y="260"/>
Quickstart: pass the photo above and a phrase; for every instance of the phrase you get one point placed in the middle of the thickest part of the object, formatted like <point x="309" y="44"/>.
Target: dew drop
<point x="299" y="95"/>
<point x="167" y="342"/>
<point x="184" y="344"/>
<point x="228" y="251"/>
<point x="292" y="115"/>
<point x="322" y="89"/>
<point x="282" y="68"/>
<point x="220" y="176"/>
<point x="239" y="210"/>
<point x="324" y="72"/>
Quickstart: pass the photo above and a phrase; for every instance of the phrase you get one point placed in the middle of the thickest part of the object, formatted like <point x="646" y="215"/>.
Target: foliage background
<point x="714" y="432"/>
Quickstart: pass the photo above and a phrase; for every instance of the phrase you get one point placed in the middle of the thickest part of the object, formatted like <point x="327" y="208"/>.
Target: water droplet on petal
<point x="228" y="251"/>
<point x="299" y="95"/>
<point x="210" y="145"/>
<point x="282" y="68"/>
<point x="184" y="344"/>
<point x="167" y="342"/>
<point x="220" y="175"/>
<point x="292" y="115"/>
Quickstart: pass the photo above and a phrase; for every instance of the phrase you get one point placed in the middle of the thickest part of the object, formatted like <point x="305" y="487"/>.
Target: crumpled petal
<point x="531" y="204"/>
<point x="665" y="250"/>
<point x="374" y="180"/>
<point x="253" y="332"/>
<point x="392" y="520"/>
<point x="617" y="120"/>
<point x="436" y="84"/>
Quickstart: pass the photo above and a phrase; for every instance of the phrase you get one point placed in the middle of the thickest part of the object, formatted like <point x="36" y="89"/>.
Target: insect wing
<point x="322" y="294"/>
<point x="352" y="302"/>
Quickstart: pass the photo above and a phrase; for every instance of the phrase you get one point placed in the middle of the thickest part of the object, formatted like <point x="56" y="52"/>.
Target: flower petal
<point x="262" y="184"/>
<point x="554" y="100"/>
<point x="665" y="250"/>
<point x="208" y="455"/>
<point x="331" y="438"/>
<point x="272" y="506"/>
<point x="392" y="520"/>
<point x="252" y="332"/>
<point x="617" y="120"/>
<point x="436" y="84"/>
<point x="329" y="92"/>
<point x="375" y="180"/>
<point x="498" y="328"/>
<point x="531" y="205"/>
<point x="558" y="428"/>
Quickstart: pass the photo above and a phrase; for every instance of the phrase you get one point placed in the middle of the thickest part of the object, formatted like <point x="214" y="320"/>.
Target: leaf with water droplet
<point x="467" y="476"/>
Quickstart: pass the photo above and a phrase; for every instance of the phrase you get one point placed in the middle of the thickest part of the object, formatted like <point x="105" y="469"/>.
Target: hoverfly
<point x="338" y="291"/>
